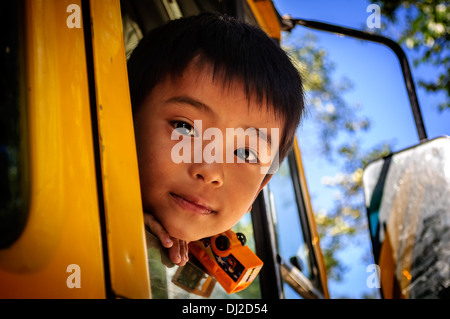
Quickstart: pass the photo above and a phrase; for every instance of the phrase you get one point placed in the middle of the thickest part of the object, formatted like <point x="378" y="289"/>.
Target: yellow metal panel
<point x="311" y="220"/>
<point x="63" y="227"/>
<point x="267" y="17"/>
<point x="123" y="208"/>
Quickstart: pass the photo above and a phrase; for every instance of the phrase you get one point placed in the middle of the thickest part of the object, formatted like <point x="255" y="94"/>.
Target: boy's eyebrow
<point x="261" y="134"/>
<point x="183" y="99"/>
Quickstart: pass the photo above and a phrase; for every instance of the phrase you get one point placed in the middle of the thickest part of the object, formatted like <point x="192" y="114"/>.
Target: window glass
<point x="13" y="173"/>
<point x="164" y="274"/>
<point x="291" y="242"/>
<point x="358" y="111"/>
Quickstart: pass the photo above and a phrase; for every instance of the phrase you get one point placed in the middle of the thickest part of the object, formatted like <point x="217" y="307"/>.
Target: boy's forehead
<point x="220" y="84"/>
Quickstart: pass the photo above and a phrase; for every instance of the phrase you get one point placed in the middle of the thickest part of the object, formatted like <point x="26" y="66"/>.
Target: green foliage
<point x="426" y="30"/>
<point x="335" y="120"/>
<point x="325" y="97"/>
<point x="339" y="127"/>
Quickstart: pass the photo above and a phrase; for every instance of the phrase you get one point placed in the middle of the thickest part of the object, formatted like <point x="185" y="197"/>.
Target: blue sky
<point x="376" y="61"/>
<point x="379" y="88"/>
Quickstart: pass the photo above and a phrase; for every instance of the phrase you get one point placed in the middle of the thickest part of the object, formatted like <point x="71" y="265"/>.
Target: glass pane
<point x="291" y="241"/>
<point x="163" y="273"/>
<point x="358" y="110"/>
<point x="13" y="186"/>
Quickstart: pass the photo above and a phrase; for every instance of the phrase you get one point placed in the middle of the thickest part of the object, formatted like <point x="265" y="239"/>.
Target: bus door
<point x="407" y="199"/>
<point x="71" y="224"/>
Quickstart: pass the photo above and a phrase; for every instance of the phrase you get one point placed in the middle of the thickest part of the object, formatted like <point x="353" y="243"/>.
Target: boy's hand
<point x="178" y="249"/>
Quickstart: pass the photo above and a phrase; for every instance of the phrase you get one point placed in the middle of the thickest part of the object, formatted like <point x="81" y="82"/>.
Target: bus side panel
<point x="59" y="254"/>
<point x="266" y="16"/>
<point x="311" y="222"/>
<point x="124" y="218"/>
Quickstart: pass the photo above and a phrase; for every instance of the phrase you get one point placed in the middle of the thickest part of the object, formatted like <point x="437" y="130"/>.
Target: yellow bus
<point x="71" y="223"/>
<point x="71" y="218"/>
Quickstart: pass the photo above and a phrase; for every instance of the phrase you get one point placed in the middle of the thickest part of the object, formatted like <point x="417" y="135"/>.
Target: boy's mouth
<point x="193" y="204"/>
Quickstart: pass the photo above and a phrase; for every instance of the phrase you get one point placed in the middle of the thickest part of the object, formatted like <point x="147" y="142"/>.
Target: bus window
<point x="164" y="274"/>
<point x="13" y="169"/>
<point x="291" y="240"/>
<point x="138" y="19"/>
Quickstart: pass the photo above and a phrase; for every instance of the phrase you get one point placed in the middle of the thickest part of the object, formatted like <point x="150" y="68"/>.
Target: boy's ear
<point x="263" y="183"/>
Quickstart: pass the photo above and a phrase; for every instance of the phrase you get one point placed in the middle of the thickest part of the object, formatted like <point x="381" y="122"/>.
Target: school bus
<point x="71" y="223"/>
<point x="71" y="219"/>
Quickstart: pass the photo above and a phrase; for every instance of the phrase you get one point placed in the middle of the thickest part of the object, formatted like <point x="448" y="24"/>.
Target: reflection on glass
<point x="13" y="155"/>
<point x="291" y="242"/>
<point x="163" y="271"/>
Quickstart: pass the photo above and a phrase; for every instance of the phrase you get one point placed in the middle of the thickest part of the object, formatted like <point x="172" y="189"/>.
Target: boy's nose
<point x="208" y="173"/>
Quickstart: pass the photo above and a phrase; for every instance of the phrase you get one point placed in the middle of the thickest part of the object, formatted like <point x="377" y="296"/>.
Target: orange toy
<point x="228" y="260"/>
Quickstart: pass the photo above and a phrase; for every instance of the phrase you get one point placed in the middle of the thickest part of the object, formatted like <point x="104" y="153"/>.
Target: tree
<point x="425" y="29"/>
<point x="339" y="127"/>
<point x="333" y="119"/>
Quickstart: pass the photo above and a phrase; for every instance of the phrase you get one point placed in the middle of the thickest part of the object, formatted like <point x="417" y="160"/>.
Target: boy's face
<point x="194" y="200"/>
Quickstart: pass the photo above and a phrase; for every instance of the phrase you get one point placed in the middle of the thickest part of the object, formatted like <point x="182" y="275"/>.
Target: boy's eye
<point x="184" y="128"/>
<point x="247" y="155"/>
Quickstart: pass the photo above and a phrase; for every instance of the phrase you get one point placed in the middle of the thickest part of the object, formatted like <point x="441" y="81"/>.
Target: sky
<point x="379" y="87"/>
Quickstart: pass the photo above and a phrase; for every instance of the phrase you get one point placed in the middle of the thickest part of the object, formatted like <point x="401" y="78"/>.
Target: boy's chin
<point x="183" y="233"/>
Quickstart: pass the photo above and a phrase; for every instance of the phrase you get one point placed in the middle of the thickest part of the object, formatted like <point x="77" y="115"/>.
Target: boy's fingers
<point x="183" y="252"/>
<point x="174" y="252"/>
<point x="178" y="249"/>
<point x="178" y="253"/>
<point x="158" y="230"/>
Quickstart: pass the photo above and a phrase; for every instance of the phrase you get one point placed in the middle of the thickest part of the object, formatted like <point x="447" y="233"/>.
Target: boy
<point x="187" y="77"/>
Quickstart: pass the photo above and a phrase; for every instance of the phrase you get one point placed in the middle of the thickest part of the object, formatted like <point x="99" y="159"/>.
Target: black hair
<point x="236" y="50"/>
